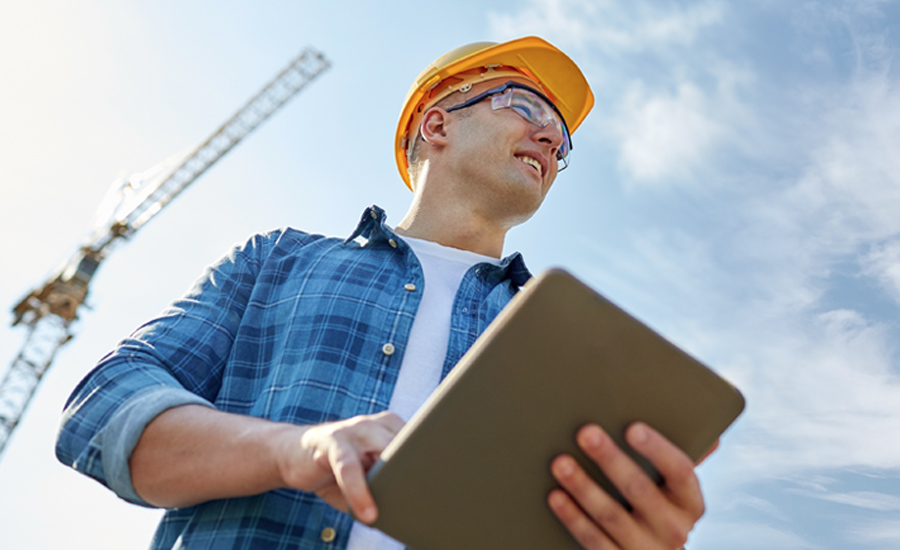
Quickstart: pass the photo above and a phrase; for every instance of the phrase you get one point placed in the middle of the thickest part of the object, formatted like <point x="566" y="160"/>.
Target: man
<point x="252" y="407"/>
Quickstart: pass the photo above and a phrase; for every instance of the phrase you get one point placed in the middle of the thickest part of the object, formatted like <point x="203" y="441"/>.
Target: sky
<point x="736" y="187"/>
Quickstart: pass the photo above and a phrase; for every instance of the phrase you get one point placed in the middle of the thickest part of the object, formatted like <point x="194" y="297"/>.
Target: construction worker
<point x="252" y="407"/>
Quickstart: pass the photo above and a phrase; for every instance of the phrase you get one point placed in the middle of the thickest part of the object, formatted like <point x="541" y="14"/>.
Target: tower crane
<point x="49" y="310"/>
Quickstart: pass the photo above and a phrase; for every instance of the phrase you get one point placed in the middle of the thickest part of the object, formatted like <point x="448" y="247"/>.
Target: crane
<point x="49" y="310"/>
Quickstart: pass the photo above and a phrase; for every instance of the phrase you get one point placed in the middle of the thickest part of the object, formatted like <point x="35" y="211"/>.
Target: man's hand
<point x="661" y="517"/>
<point x="342" y="453"/>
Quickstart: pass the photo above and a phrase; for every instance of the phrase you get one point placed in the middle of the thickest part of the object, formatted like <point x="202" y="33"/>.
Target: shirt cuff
<point x="126" y="427"/>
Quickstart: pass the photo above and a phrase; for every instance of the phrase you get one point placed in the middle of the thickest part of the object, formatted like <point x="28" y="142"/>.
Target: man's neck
<point x="453" y="225"/>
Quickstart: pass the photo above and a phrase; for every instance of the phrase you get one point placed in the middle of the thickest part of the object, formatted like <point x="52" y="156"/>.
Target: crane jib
<point x="49" y="310"/>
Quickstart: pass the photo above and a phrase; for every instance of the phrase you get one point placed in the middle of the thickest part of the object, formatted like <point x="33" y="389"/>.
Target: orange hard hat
<point x="558" y="77"/>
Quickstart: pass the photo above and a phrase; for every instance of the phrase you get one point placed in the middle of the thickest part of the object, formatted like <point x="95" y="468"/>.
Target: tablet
<point x="471" y="469"/>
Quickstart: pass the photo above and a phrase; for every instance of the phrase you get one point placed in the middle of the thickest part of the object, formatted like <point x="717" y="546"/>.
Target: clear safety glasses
<point x="531" y="105"/>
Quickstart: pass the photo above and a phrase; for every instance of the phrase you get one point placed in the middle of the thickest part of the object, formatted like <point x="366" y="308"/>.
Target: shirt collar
<point x="373" y="227"/>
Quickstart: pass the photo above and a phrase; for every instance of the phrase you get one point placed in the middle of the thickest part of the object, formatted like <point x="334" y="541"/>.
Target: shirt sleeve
<point x="175" y="359"/>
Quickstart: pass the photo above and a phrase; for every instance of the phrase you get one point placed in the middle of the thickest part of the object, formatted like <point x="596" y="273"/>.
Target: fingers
<point x="661" y="517"/>
<point x="587" y="511"/>
<point x="582" y="528"/>
<point x="343" y="451"/>
<point x="599" y="510"/>
<point x="681" y="485"/>
<point x="356" y="447"/>
<point x="349" y="474"/>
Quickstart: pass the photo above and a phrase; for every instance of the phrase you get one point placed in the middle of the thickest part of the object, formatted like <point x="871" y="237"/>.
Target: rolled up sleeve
<point x="173" y="360"/>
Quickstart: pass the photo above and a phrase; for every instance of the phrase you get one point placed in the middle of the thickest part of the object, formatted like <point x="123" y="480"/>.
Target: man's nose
<point x="549" y="135"/>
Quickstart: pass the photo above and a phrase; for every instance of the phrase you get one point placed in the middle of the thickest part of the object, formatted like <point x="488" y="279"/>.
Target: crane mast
<point x="49" y="310"/>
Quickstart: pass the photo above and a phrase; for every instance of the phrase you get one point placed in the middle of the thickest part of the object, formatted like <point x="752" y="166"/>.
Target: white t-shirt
<point x="420" y="371"/>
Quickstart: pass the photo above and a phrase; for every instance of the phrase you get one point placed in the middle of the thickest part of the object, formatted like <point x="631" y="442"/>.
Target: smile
<point x="533" y="162"/>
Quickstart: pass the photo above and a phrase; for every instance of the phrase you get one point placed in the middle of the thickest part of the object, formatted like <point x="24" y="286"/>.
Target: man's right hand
<point x="342" y="451"/>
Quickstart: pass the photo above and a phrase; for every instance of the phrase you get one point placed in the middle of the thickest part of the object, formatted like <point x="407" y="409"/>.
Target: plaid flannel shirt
<point x="291" y="327"/>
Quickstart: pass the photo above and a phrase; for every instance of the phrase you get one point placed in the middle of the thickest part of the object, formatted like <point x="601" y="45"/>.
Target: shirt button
<point x="374" y="217"/>
<point x="328" y="534"/>
<point x="409" y="286"/>
<point x="387" y="349"/>
<point x="393" y="243"/>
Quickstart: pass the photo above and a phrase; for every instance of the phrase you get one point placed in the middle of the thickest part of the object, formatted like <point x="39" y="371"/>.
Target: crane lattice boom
<point x="50" y="309"/>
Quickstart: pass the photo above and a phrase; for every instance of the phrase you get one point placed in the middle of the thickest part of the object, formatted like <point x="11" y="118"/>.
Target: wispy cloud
<point x="607" y="24"/>
<point x="869" y="500"/>
<point x="747" y="535"/>
<point x="883" y="263"/>
<point x="666" y="136"/>
<point x="885" y="531"/>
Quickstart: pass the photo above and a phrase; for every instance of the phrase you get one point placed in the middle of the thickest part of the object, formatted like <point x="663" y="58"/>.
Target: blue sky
<point x="736" y="187"/>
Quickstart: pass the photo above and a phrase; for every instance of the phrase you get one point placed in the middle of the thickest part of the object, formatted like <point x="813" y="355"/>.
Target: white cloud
<point x="666" y="136"/>
<point x="862" y="499"/>
<point x="743" y="535"/>
<point x="849" y="190"/>
<point x="876" y="532"/>
<point x="765" y="507"/>
<point x="680" y="27"/>
<point x="607" y="24"/>
<point x="555" y="20"/>
<point x="819" y="396"/>
<point x="883" y="263"/>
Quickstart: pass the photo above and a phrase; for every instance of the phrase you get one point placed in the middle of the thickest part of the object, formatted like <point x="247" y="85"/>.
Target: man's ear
<point x="434" y="126"/>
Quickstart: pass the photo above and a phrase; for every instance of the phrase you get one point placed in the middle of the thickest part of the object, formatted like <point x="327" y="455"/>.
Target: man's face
<point x="507" y="159"/>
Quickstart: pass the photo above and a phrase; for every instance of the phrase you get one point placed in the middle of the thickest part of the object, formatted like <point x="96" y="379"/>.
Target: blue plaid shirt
<point x="291" y="327"/>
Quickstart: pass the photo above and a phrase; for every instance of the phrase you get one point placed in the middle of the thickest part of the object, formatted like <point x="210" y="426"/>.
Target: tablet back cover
<point x="471" y="468"/>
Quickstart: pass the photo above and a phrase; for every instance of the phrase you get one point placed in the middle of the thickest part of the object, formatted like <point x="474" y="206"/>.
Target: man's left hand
<point x="661" y="517"/>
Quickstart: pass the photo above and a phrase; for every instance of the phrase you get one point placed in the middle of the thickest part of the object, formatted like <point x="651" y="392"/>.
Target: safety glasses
<point x="531" y="105"/>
